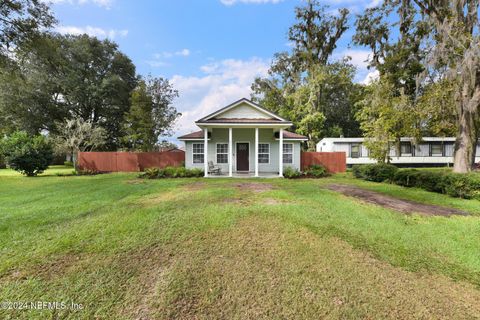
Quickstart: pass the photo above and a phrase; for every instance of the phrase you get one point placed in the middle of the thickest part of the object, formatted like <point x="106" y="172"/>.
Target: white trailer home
<point x="431" y="151"/>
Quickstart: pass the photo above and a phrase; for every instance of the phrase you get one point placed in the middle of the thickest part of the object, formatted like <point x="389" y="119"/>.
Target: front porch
<point x="245" y="175"/>
<point x="240" y="151"/>
<point x="243" y="140"/>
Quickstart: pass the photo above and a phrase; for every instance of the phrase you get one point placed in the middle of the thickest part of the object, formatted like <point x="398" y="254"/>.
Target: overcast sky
<point x="211" y="50"/>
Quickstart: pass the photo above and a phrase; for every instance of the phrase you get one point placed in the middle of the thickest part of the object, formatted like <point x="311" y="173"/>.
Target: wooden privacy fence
<point x="333" y="161"/>
<point x="129" y="161"/>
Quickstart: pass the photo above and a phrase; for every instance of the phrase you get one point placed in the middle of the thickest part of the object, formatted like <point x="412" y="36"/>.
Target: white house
<point x="430" y="151"/>
<point x="241" y="139"/>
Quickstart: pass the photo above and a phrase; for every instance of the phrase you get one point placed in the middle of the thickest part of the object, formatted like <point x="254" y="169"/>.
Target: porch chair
<point x="213" y="168"/>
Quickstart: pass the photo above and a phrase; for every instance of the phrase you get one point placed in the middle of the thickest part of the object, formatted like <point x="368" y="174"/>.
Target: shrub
<point x="68" y="163"/>
<point x="431" y="181"/>
<point x="462" y="185"/>
<point x="357" y="171"/>
<point x="170" y="172"/>
<point x="316" y="171"/>
<point x="453" y="184"/>
<point x="406" y="177"/>
<point x="194" y="173"/>
<point x="30" y="155"/>
<point x="378" y="172"/>
<point x="291" y="173"/>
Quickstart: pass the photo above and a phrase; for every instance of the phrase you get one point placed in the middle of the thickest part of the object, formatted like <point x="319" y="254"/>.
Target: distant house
<point x="431" y="151"/>
<point x="241" y="139"/>
<point x="171" y="149"/>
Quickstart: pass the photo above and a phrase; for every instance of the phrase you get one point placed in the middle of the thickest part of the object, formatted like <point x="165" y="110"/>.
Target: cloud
<point x="370" y="77"/>
<point x="354" y="6"/>
<point x="374" y="3"/>
<point x="101" y="3"/>
<point x="159" y="58"/>
<point x="168" y="54"/>
<point x="157" y="63"/>
<point x="232" y="2"/>
<point x="360" y="59"/>
<point x="221" y="83"/>
<point x="92" y="31"/>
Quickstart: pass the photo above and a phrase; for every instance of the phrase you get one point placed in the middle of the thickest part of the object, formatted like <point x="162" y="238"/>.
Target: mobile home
<point x="431" y="151"/>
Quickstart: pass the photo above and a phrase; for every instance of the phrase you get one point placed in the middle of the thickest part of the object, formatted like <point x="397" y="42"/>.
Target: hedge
<point x="170" y="172"/>
<point x="313" y="171"/>
<point x="453" y="184"/>
<point x="375" y="172"/>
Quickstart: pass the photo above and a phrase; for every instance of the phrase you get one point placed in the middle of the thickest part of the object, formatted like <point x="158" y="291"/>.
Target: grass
<point x="51" y="171"/>
<point x="236" y="249"/>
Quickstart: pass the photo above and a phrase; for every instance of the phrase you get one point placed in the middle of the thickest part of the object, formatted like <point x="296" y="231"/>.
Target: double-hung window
<point x="198" y="153"/>
<point x="436" y="149"/>
<point x="263" y="153"/>
<point x="405" y="149"/>
<point x="222" y="152"/>
<point x="288" y="153"/>
<point x="355" y="150"/>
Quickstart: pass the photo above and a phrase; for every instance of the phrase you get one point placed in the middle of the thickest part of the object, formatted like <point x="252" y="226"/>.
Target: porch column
<point x="205" y="152"/>
<point x="280" y="153"/>
<point x="256" y="152"/>
<point x="230" y="153"/>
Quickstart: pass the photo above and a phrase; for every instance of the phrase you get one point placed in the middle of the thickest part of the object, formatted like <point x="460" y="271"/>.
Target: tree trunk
<point x="466" y="143"/>
<point x="74" y="160"/>
<point x="467" y="135"/>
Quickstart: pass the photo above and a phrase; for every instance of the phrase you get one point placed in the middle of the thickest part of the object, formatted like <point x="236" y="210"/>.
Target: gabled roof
<point x="198" y="135"/>
<point x="192" y="135"/>
<point x="293" y="136"/>
<point x="214" y="117"/>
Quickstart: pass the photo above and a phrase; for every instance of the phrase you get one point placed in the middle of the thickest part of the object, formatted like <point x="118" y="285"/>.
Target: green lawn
<point x="126" y="248"/>
<point x="52" y="171"/>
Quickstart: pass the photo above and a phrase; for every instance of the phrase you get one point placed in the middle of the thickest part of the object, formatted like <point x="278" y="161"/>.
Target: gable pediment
<point x="243" y="110"/>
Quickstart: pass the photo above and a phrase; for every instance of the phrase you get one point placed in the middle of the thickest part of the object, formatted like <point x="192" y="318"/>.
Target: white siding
<point x="393" y="151"/>
<point x="421" y="156"/>
<point x="364" y="151"/>
<point x="189" y="155"/>
<point x="339" y="147"/>
<point x="449" y="147"/>
<point x="422" y="150"/>
<point x="243" y="111"/>
<point x="220" y="135"/>
<point x="325" y="146"/>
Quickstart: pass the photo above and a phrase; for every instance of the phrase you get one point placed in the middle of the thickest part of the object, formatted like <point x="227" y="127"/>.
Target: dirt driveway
<point x="405" y="206"/>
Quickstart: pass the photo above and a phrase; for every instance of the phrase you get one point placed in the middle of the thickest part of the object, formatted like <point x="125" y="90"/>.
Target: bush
<point x="462" y="185"/>
<point x="68" y="163"/>
<point x="316" y="171"/>
<point x="291" y="173"/>
<point x="453" y="184"/>
<point x="30" y="155"/>
<point x="378" y="172"/>
<point x="170" y="172"/>
<point x="357" y="171"/>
